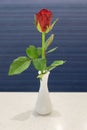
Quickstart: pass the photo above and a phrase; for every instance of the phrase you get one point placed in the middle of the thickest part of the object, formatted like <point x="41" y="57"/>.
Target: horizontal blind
<point x="17" y="32"/>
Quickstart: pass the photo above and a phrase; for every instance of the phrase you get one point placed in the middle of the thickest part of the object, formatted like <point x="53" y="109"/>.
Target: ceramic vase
<point x="43" y="104"/>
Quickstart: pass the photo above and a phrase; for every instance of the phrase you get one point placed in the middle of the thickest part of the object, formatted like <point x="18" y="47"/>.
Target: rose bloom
<point x="43" y="20"/>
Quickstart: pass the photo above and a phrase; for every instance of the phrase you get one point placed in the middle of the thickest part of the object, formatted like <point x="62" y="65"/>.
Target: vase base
<point x="42" y="114"/>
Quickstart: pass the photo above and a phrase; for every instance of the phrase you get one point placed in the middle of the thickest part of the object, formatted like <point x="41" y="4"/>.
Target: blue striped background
<point x="17" y="32"/>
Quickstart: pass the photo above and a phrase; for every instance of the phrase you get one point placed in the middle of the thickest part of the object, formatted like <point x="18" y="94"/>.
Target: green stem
<point x="43" y="45"/>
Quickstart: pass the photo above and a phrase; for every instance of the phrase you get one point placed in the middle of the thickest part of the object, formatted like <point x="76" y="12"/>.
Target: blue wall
<point x="17" y="32"/>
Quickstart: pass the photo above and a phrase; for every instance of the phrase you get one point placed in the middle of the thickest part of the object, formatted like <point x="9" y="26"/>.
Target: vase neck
<point x="44" y="79"/>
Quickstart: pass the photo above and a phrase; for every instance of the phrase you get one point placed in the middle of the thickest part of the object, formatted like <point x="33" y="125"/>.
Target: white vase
<point x="43" y="104"/>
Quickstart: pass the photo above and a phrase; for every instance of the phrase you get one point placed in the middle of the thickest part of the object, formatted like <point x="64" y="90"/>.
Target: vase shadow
<point x="22" y="116"/>
<point x="26" y="115"/>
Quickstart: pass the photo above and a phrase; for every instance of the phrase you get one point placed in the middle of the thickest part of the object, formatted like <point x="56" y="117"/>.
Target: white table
<point x="69" y="112"/>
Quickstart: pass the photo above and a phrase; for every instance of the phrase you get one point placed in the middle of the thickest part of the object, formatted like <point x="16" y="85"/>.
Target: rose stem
<point x="43" y="45"/>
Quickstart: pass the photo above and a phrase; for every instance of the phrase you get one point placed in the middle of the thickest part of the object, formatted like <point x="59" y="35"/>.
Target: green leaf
<point x="39" y="64"/>
<point x="55" y="64"/>
<point x="19" y="65"/>
<point x="52" y="50"/>
<point x="49" y="41"/>
<point x="54" y="23"/>
<point x="32" y="52"/>
<point x="39" y="51"/>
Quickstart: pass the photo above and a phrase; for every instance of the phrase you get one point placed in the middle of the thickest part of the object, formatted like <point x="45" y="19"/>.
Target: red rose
<point x="43" y="20"/>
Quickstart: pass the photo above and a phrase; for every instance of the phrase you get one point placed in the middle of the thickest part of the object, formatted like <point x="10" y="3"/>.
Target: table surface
<point x="17" y="112"/>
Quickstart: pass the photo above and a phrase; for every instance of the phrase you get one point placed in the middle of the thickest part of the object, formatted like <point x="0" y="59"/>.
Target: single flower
<point x="43" y="20"/>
